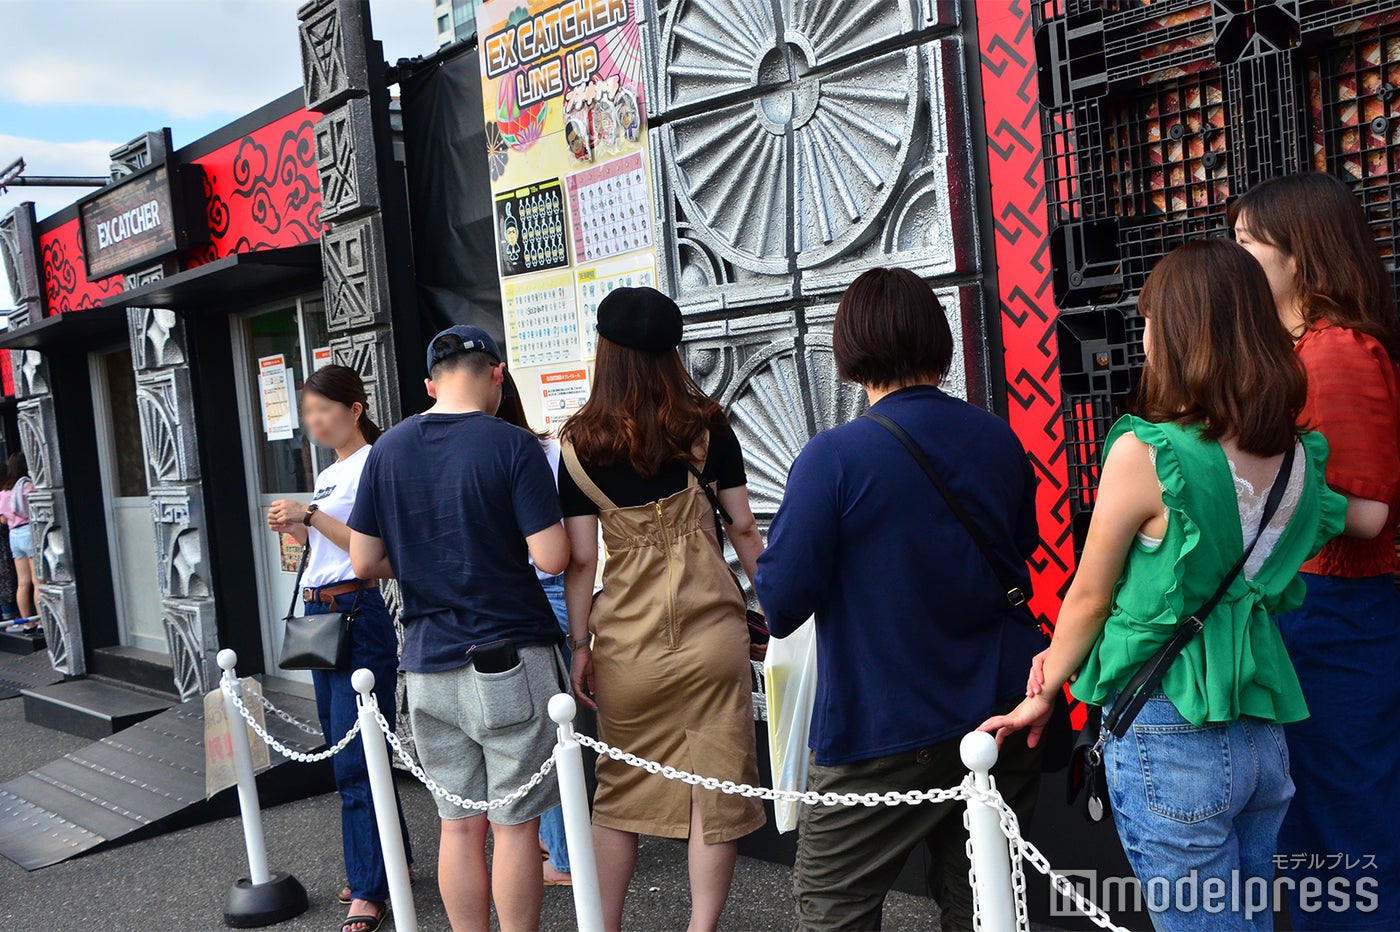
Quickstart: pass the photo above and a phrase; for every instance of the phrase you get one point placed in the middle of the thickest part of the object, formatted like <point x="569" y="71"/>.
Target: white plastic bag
<point x="790" y="685"/>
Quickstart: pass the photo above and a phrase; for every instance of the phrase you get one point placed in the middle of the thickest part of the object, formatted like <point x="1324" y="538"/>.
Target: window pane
<point x="128" y="456"/>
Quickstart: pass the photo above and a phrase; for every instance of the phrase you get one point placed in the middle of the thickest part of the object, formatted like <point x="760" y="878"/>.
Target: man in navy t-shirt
<point x="454" y="503"/>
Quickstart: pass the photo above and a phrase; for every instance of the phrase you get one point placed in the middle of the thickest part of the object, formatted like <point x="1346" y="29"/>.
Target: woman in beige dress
<point x="663" y="651"/>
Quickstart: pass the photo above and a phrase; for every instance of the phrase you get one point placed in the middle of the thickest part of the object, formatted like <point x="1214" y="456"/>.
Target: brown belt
<point x="328" y="594"/>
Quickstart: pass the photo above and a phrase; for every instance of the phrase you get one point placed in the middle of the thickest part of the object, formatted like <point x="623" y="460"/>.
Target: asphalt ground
<point x="177" y="881"/>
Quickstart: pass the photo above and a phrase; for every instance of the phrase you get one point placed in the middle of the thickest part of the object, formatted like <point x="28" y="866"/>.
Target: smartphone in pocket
<point x="494" y="657"/>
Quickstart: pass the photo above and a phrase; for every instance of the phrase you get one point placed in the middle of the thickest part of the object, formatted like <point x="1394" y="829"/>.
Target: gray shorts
<point x="482" y="735"/>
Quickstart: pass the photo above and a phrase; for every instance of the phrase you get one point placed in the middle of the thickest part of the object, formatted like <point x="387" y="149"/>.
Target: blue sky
<point x="79" y="77"/>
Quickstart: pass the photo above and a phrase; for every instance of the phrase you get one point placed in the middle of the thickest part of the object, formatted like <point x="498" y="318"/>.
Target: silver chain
<point x="289" y="753"/>
<point x="437" y="790"/>
<point x="1019" y="848"/>
<point x="290" y="719"/>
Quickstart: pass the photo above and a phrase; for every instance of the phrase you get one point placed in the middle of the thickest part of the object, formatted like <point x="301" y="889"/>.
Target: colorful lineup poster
<point x="562" y="393"/>
<point x="565" y="111"/>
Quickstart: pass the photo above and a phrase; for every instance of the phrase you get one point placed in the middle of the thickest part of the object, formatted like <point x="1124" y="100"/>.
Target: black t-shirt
<point x="621" y="483"/>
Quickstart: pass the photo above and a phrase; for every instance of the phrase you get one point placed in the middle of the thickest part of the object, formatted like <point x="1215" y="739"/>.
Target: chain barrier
<point x="290" y="719"/>
<point x="476" y="805"/>
<point x="1019" y="848"/>
<point x="236" y="697"/>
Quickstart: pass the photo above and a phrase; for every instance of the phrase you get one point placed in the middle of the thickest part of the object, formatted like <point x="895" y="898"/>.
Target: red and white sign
<point x="562" y="392"/>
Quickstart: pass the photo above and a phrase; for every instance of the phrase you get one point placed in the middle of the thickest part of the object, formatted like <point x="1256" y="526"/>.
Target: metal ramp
<point x="144" y="781"/>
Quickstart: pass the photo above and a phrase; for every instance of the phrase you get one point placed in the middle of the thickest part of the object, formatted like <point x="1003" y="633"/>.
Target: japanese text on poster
<point x="562" y="393"/>
<point x="276" y="393"/>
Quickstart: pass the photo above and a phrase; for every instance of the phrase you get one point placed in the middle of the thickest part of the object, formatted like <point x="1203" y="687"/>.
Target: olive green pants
<point x="848" y="857"/>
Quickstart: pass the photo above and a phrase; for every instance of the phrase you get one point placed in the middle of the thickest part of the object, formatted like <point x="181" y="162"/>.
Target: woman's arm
<point x="368" y="557"/>
<point x="1129" y="496"/>
<point x="1366" y="518"/>
<point x="743" y="530"/>
<point x="579" y="577"/>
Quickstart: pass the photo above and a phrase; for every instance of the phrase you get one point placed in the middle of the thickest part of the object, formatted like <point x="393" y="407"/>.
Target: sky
<point x="80" y="77"/>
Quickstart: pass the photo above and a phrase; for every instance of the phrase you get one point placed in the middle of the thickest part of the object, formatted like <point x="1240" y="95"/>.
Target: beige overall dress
<point x="671" y="666"/>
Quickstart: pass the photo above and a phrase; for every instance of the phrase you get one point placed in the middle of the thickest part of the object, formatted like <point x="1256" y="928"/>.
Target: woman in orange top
<point x="1333" y="293"/>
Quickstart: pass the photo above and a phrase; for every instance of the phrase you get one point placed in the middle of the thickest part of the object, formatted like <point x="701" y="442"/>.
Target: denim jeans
<point x="373" y="645"/>
<point x="552" y="822"/>
<point x="1198" y="811"/>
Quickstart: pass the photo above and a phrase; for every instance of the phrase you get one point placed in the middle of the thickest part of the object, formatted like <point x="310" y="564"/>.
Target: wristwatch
<point x="310" y="510"/>
<point x="583" y="643"/>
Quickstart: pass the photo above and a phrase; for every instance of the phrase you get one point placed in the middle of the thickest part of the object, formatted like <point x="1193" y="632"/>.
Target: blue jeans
<point x="1339" y="838"/>
<point x="374" y="645"/>
<point x="1198" y="811"/>
<point x="552" y="822"/>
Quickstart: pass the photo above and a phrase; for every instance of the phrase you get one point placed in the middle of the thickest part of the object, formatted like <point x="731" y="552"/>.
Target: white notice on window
<point x="275" y="395"/>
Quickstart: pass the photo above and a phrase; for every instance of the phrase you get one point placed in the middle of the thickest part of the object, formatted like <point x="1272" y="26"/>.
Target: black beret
<point x="640" y="319"/>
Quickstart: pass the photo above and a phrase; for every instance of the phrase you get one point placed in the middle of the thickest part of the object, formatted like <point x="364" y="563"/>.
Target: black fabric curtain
<point x="449" y="191"/>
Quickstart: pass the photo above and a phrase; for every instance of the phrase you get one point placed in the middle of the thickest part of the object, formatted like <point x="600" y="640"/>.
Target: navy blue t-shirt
<point x="453" y="497"/>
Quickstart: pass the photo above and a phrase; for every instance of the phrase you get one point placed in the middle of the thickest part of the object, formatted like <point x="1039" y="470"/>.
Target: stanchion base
<point x="251" y="906"/>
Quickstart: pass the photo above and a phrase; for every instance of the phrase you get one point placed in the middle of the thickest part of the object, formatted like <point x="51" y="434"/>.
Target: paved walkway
<point x="177" y="882"/>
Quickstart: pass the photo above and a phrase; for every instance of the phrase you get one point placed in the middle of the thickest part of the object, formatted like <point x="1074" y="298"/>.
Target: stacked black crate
<point x="1154" y="116"/>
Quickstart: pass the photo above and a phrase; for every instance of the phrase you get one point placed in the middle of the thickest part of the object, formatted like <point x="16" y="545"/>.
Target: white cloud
<point x="183" y="58"/>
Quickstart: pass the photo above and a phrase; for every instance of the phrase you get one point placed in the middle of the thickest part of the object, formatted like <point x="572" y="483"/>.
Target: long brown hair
<point x="344" y="385"/>
<point x="16" y="468"/>
<point x="513" y="412"/>
<point x="645" y="409"/>
<point x="1218" y="354"/>
<point x="1340" y="277"/>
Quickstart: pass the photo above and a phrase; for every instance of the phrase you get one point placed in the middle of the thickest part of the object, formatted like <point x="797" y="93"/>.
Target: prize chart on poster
<point x="609" y="209"/>
<point x="541" y="319"/>
<point x="594" y="284"/>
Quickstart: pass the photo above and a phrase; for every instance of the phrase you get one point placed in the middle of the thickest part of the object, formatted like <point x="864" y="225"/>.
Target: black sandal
<point x="370" y="923"/>
<point x="346" y="897"/>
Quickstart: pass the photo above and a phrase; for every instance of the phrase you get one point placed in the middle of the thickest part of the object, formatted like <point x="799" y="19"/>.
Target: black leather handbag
<point x="1086" y="762"/>
<point x="316" y="642"/>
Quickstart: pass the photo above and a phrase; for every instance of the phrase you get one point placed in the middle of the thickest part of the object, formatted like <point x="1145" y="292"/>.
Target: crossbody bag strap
<point x="1015" y="595"/>
<point x="301" y="571"/>
<point x="1150" y="675"/>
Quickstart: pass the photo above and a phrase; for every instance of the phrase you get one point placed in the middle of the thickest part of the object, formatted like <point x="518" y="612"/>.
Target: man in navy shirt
<point x="454" y="503"/>
<point x="916" y="638"/>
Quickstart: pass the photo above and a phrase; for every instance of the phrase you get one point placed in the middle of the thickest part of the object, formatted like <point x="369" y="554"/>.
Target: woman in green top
<point x="1200" y="784"/>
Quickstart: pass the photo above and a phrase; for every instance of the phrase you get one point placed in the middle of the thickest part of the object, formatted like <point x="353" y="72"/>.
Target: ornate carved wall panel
<point x="178" y="514"/>
<point x="19" y="251"/>
<point x="357" y="286"/>
<point x="192" y="639"/>
<point x="368" y="355"/>
<point x="345" y="161"/>
<point x="48" y="520"/>
<point x="157" y="338"/>
<point x="165" y="403"/>
<point x="31" y="373"/>
<point x="332" y="68"/>
<point x="38" y="435"/>
<point x="58" y="611"/>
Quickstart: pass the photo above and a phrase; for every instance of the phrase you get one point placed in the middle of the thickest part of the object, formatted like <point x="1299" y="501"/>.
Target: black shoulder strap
<point x="301" y="571"/>
<point x="1015" y="595"/>
<point x="1149" y="676"/>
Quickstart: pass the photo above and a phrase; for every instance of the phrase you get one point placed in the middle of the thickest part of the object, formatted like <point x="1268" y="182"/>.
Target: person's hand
<point x="1036" y="681"/>
<point x="757" y="652"/>
<point x="581" y="676"/>
<point x="1033" y="713"/>
<point x="284" y="514"/>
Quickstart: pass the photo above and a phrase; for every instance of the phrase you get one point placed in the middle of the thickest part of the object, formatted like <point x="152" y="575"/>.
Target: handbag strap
<point x="720" y="515"/>
<point x="1150" y="675"/>
<point x="301" y="571"/>
<point x="1015" y="595"/>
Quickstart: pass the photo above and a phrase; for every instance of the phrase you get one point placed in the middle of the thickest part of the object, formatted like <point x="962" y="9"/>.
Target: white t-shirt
<point x="551" y="452"/>
<point x="335" y="496"/>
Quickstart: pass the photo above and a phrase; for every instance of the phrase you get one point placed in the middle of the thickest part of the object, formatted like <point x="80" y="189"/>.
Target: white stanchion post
<point x="578" y="823"/>
<point x="991" y="859"/>
<point x="386" y="807"/>
<point x="248" y="805"/>
<point x="265" y="897"/>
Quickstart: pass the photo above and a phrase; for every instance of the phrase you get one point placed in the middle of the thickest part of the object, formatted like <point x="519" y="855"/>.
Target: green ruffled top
<point x="1237" y="665"/>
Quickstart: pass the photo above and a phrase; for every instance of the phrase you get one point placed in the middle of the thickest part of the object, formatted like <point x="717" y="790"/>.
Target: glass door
<point x="276" y="348"/>
<point x="131" y="539"/>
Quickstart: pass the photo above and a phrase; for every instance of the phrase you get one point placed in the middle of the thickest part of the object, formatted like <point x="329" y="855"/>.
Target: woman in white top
<point x="334" y="411"/>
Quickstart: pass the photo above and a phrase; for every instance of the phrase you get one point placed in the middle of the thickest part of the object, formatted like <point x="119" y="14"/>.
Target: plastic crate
<point x="1100" y="351"/>
<point x="1087" y="422"/>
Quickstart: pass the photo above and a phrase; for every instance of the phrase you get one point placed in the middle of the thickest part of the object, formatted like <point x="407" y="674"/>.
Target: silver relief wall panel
<point x="58" y="612"/>
<point x="795" y="145"/>
<point x="165" y="403"/>
<point x="157" y="338"/>
<point x="178" y="515"/>
<point x="48" y="522"/>
<point x="192" y="639"/>
<point x="38" y="436"/>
